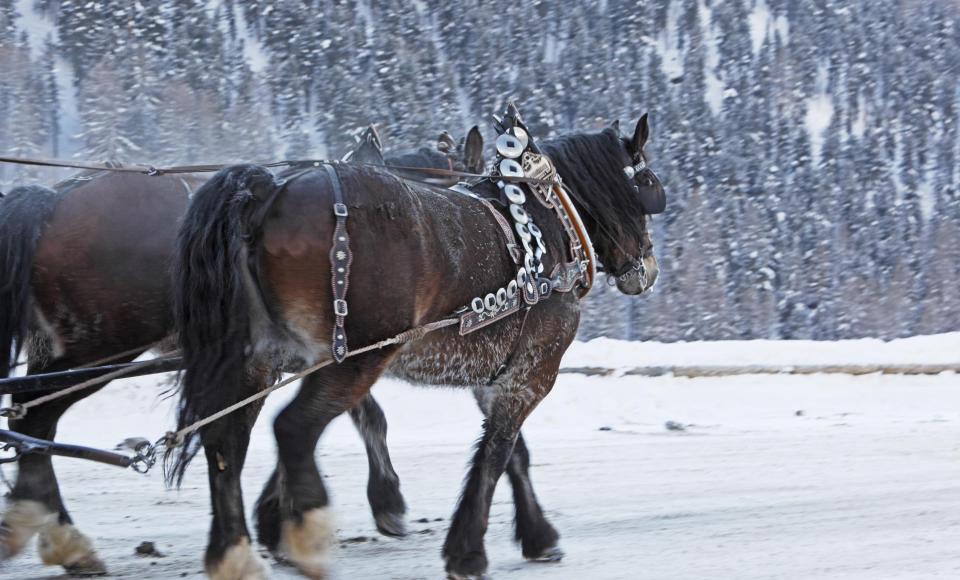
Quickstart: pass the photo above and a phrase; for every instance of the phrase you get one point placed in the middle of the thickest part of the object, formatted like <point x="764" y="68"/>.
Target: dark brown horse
<point x="253" y="290"/>
<point x="83" y="276"/>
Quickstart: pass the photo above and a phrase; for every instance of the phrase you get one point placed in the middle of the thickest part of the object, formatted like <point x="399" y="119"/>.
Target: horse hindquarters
<point x="214" y="334"/>
<point x="35" y="504"/>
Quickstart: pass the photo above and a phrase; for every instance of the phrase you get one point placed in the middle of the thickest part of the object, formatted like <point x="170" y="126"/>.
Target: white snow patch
<point x="764" y="26"/>
<point x="253" y="51"/>
<point x="714" y="86"/>
<point x="37" y="26"/>
<point x="609" y="353"/>
<point x="819" y="112"/>
<point x="668" y="43"/>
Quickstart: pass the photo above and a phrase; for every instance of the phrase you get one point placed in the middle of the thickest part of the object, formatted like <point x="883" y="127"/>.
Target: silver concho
<point x="511" y="146"/>
<point x="523" y="232"/>
<point x="477" y="305"/>
<point x="511" y="289"/>
<point x="501" y="297"/>
<point x="490" y="301"/>
<point x="519" y="214"/>
<point x="510" y="168"/>
<point x="514" y="193"/>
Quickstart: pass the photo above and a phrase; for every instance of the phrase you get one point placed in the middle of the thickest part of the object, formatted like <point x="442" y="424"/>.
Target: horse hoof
<point x="554" y="554"/>
<point x="391" y="525"/>
<point x="87" y="567"/>
<point x="310" y="543"/>
<point x="456" y="576"/>
<point x="65" y="545"/>
<point x="240" y="562"/>
<point x="471" y="567"/>
<point x="21" y="521"/>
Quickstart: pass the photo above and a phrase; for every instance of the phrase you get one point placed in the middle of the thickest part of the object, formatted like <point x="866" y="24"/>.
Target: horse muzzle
<point x="641" y="279"/>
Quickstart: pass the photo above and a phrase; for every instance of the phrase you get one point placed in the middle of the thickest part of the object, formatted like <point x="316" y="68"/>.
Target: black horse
<point x="84" y="276"/>
<point x="253" y="287"/>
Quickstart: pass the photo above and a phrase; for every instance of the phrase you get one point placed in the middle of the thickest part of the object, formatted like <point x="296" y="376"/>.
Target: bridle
<point x="634" y="265"/>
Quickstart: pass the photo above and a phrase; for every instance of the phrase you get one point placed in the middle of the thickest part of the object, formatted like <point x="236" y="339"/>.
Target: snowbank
<point x="939" y="349"/>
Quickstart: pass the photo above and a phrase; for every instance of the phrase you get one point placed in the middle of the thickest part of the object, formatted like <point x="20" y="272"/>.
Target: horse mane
<point x="591" y="165"/>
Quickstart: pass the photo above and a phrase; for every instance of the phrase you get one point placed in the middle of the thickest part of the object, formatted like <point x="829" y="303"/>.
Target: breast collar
<point x="517" y="159"/>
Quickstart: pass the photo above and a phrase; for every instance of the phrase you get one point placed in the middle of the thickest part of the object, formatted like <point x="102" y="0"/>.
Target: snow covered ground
<point x="787" y="477"/>
<point x="622" y="354"/>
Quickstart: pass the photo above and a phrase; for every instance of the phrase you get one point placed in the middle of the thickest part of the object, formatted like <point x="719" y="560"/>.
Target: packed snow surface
<point x="792" y="477"/>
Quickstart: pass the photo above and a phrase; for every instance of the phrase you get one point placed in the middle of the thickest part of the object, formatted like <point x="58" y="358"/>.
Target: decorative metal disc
<point x="510" y="168"/>
<point x="510" y="146"/>
<point x="520" y="134"/>
<point x="518" y="214"/>
<point x="514" y="193"/>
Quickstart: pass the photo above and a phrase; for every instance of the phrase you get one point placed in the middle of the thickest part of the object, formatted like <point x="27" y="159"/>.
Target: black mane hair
<point x="591" y="166"/>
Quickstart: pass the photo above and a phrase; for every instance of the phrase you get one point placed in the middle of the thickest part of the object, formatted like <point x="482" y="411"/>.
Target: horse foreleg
<point x="511" y="399"/>
<point x="383" y="485"/>
<point x="537" y="537"/>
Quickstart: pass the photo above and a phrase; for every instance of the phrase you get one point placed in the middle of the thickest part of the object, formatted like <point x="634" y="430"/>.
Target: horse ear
<point x="616" y="126"/>
<point x="445" y="143"/>
<point x="640" y="135"/>
<point x="371" y="135"/>
<point x="473" y="149"/>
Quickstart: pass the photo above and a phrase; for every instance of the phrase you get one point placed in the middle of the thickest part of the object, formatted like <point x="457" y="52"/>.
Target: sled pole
<point x="26" y="445"/>
<point x="52" y="381"/>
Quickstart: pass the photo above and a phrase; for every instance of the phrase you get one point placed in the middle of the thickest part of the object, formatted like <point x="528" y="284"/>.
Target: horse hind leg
<point x="538" y="538"/>
<point x="35" y="505"/>
<point x="383" y="485"/>
<point x="229" y="554"/>
<point x="306" y="530"/>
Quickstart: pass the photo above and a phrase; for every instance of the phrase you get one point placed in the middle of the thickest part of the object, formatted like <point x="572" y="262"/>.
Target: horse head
<point x="615" y="191"/>
<point x="369" y="148"/>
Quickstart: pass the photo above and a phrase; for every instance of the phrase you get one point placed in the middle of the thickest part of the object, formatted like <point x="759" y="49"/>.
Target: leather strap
<point x="516" y="253"/>
<point x="340" y="260"/>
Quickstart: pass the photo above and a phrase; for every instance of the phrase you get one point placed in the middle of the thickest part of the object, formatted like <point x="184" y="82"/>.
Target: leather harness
<point x="565" y="277"/>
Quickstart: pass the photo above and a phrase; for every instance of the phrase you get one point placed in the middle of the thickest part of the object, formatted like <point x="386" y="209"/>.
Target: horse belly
<point x="446" y="358"/>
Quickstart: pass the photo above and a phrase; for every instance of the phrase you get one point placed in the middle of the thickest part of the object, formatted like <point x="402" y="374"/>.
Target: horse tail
<point x="23" y="213"/>
<point x="211" y="300"/>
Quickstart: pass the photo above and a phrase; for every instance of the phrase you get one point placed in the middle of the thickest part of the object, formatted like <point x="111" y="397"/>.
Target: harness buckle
<point x="340" y="307"/>
<point x="340" y="209"/>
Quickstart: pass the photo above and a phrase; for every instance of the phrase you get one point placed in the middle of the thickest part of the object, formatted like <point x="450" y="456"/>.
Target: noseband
<point x="622" y="274"/>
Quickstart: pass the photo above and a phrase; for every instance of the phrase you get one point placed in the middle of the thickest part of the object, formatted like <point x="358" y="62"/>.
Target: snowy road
<point x="864" y="483"/>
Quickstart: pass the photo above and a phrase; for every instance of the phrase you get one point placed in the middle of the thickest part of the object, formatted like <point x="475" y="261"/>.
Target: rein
<point x="153" y="171"/>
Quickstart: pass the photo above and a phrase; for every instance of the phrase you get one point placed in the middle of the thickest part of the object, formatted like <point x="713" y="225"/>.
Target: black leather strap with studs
<point x="340" y="259"/>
